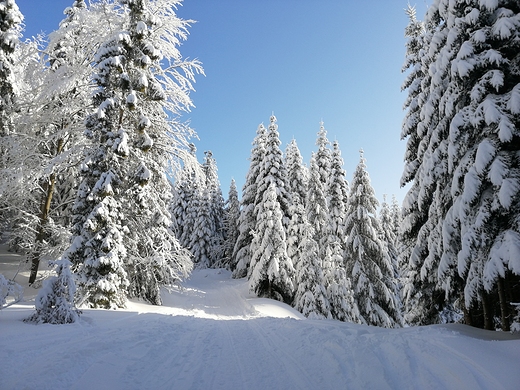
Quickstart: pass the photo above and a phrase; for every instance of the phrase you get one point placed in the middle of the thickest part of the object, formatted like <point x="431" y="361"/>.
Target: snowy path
<point x="213" y="335"/>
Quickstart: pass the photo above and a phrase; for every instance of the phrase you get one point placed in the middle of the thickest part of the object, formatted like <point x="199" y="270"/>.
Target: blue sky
<point x="335" y="60"/>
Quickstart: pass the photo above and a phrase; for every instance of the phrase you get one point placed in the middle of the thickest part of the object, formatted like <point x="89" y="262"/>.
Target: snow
<point x="211" y="334"/>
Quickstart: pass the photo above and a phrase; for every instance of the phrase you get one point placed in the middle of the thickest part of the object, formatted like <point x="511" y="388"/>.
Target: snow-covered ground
<point x="211" y="334"/>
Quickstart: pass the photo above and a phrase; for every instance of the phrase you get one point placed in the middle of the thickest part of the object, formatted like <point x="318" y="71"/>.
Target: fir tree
<point x="122" y="218"/>
<point x="272" y="170"/>
<point x="247" y="219"/>
<point x="482" y="227"/>
<point x="271" y="268"/>
<point x="431" y="104"/>
<point x="317" y="209"/>
<point x="10" y="31"/>
<point x="55" y="300"/>
<point x="231" y="216"/>
<point x="297" y="172"/>
<point x="368" y="264"/>
<point x="310" y="296"/>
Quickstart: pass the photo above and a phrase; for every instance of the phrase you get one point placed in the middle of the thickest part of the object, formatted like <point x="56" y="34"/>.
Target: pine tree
<point x="10" y="32"/>
<point x="231" y="216"/>
<point x="482" y="226"/>
<point x="247" y="219"/>
<point x="271" y="268"/>
<point x="431" y="104"/>
<point x="216" y="207"/>
<point x="297" y="172"/>
<point x="461" y="214"/>
<point x="317" y="209"/>
<point x="337" y="196"/>
<point x="272" y="170"/>
<point x="323" y="156"/>
<point x="368" y="264"/>
<point x="122" y="218"/>
<point x="310" y="297"/>
<point x="55" y="300"/>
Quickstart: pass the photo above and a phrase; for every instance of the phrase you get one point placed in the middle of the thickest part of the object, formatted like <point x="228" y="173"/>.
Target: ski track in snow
<point x="211" y="334"/>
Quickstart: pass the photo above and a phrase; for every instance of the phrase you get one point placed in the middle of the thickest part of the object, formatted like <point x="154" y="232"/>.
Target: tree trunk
<point x="504" y="312"/>
<point x="42" y="220"/>
<point x="468" y="320"/>
<point x="486" y="309"/>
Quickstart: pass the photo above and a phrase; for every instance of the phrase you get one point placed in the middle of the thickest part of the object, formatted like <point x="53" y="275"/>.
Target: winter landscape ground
<point x="212" y="334"/>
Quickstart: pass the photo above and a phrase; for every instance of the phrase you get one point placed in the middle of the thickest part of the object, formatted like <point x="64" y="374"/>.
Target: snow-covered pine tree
<point x="297" y="172"/>
<point x="310" y="297"/>
<point x="367" y="263"/>
<point x="339" y="291"/>
<point x="216" y="207"/>
<point x="156" y="82"/>
<point x="272" y="270"/>
<point x="272" y="170"/>
<point x="433" y="100"/>
<point x="186" y="193"/>
<point x="387" y="236"/>
<point x="337" y="197"/>
<point x="247" y="219"/>
<point x="323" y="156"/>
<point x="338" y="286"/>
<point x="481" y="233"/>
<point x="231" y="216"/>
<point x="10" y="31"/>
<point x="396" y="217"/>
<point x="122" y="220"/>
<point x="317" y="209"/>
<point x="55" y="300"/>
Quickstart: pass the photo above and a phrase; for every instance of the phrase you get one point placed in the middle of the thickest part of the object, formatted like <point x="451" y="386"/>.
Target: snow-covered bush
<point x="9" y="288"/>
<point x="55" y="300"/>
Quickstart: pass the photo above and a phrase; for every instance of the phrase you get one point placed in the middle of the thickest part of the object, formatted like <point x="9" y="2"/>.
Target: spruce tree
<point x="311" y="296"/>
<point x="297" y="172"/>
<point x="55" y="300"/>
<point x="272" y="270"/>
<point x="482" y="226"/>
<point x="247" y="219"/>
<point x="317" y="209"/>
<point x="122" y="218"/>
<point x="367" y="263"/>
<point x="10" y="31"/>
<point x="431" y="104"/>
<point x="272" y="170"/>
<point x="231" y="216"/>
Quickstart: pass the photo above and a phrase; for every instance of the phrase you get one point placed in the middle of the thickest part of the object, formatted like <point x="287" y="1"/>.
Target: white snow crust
<point x="212" y="334"/>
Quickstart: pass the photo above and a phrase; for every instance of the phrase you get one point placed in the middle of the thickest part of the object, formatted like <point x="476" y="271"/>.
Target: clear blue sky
<point x="335" y="60"/>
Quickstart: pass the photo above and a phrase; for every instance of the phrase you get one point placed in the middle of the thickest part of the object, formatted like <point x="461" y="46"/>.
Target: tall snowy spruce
<point x="247" y="219"/>
<point x="123" y="239"/>
<point x="297" y="172"/>
<point x="431" y="103"/>
<point x="231" y="216"/>
<point x="367" y="262"/>
<point x="271" y="268"/>
<point x="272" y="171"/>
<point x="10" y="32"/>
<point x="474" y="62"/>
<point x="310" y="297"/>
<point x="482" y="227"/>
